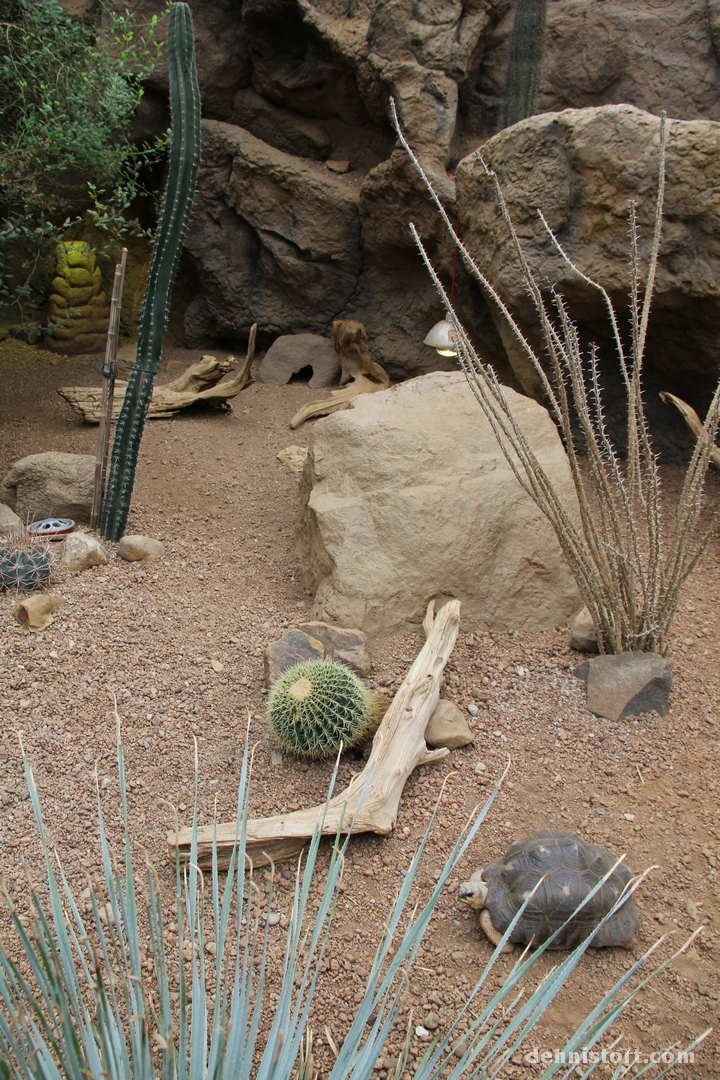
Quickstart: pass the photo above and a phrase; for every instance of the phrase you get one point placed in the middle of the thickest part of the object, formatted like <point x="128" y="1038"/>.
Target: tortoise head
<point x="473" y="892"/>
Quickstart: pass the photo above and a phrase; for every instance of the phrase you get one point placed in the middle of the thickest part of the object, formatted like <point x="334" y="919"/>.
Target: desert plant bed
<point x="178" y="643"/>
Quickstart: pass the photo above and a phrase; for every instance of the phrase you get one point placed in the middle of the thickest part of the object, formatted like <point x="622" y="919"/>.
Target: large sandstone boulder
<point x="50" y="483"/>
<point x="407" y="497"/>
<point x="582" y="167"/>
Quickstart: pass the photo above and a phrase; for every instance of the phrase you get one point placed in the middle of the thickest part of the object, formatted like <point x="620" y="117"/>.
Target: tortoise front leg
<point x="494" y="935"/>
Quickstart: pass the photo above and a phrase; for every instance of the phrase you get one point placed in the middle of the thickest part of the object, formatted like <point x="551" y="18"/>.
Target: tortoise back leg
<point x="494" y="935"/>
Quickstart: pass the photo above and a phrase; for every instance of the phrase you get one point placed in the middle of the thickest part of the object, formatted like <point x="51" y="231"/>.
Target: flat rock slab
<point x="288" y="650"/>
<point x="626" y="685"/>
<point x="342" y="644"/>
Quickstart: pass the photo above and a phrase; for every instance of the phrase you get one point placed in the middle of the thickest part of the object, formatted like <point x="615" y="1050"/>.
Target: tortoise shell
<point x="571" y="868"/>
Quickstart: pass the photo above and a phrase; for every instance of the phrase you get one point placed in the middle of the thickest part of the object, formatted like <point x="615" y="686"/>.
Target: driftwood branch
<point x="199" y="383"/>
<point x="693" y="422"/>
<point x="359" y="372"/>
<point x="398" y="747"/>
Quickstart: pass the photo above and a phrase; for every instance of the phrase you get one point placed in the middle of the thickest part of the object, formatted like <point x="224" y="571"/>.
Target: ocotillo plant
<point x="174" y="214"/>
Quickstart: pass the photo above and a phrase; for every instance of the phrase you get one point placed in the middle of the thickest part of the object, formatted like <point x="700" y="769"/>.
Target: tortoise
<point x="567" y="869"/>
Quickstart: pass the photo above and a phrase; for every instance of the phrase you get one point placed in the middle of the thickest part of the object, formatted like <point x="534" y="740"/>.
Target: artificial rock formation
<point x="581" y="168"/>
<point x="78" y="310"/>
<point x="406" y="497"/>
<point x="290" y="85"/>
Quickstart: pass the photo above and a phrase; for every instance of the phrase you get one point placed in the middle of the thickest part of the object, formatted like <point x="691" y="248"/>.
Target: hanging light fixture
<point x="442" y="336"/>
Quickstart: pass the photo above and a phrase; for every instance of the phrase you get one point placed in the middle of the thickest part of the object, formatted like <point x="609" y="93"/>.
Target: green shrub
<point x="91" y="1008"/>
<point x="68" y="90"/>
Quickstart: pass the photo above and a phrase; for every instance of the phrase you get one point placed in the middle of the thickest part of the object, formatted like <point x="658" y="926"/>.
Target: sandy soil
<point x="210" y="487"/>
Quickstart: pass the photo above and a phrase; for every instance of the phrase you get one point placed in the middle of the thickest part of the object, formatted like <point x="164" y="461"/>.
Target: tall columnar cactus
<point x="174" y="214"/>
<point x="527" y="42"/>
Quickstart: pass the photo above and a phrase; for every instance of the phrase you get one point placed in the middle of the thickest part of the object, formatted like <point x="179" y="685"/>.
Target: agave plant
<point x="90" y="1008"/>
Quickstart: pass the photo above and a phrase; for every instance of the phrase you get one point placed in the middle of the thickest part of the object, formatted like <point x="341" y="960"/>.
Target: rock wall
<point x="291" y="88"/>
<point x="582" y="168"/>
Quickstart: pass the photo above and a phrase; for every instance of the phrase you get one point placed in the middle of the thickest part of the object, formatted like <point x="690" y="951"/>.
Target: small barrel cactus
<point x="318" y="704"/>
<point x="25" y="568"/>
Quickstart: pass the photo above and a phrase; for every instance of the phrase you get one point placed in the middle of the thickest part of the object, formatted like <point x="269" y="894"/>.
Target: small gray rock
<point x="290" y="649"/>
<point x="290" y="353"/>
<point x="448" y="727"/>
<point x="348" y="646"/>
<point x="135" y="548"/>
<point x="81" y="551"/>
<point x="626" y="685"/>
<point x="582" y="633"/>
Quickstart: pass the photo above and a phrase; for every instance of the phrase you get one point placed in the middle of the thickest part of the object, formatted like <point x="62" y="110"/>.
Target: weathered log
<point x="693" y="422"/>
<point x="359" y="372"/>
<point x="398" y="747"/>
<point x="198" y="383"/>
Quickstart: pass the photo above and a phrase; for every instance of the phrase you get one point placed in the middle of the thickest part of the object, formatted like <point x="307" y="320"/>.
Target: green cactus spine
<point x="527" y="43"/>
<point x="318" y="704"/>
<point x="174" y="214"/>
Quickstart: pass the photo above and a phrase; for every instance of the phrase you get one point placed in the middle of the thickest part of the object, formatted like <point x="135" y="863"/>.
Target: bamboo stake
<point x="108" y="371"/>
<point x="370" y="801"/>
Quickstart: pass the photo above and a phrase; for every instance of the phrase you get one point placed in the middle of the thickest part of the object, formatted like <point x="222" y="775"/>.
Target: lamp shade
<point x="442" y="338"/>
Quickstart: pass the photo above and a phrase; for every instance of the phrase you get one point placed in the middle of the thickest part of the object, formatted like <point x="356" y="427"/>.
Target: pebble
<point x="473" y="709"/>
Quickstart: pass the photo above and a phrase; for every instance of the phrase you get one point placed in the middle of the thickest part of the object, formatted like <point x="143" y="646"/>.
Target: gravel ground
<point x="179" y="643"/>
